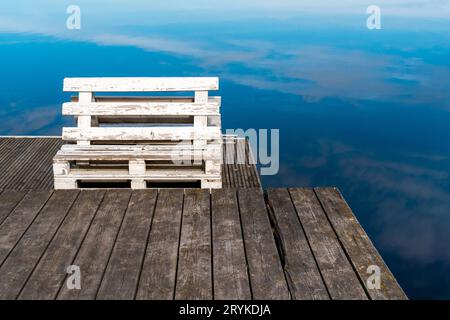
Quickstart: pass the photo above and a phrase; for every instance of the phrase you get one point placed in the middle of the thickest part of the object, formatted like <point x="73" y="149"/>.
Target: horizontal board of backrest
<point x="140" y="109"/>
<point x="131" y="133"/>
<point x="159" y="99"/>
<point x="140" y="84"/>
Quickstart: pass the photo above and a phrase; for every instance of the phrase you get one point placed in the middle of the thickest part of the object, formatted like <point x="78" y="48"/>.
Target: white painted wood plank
<point x="133" y="133"/>
<point x="137" y="148"/>
<point x="141" y="109"/>
<point x="174" y="156"/>
<point x="112" y="174"/>
<point x="148" y="152"/>
<point x="141" y="84"/>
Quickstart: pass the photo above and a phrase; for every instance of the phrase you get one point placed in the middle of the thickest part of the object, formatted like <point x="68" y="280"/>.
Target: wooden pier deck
<point x="232" y="243"/>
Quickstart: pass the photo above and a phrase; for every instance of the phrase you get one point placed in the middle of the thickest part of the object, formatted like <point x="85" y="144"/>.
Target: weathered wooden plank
<point x="155" y="174"/>
<point x="42" y="179"/>
<point x="194" y="276"/>
<point x="17" y="163"/>
<point x="141" y="109"/>
<point x="302" y="273"/>
<point x="241" y="160"/>
<point x="252" y="167"/>
<point x="11" y="153"/>
<point x="20" y="219"/>
<point x="341" y="280"/>
<point x="229" y="160"/>
<point x="96" y="248"/>
<point x="124" y="267"/>
<point x="48" y="276"/>
<point x="266" y="273"/>
<point x="137" y="84"/>
<point x="134" y="133"/>
<point x="34" y="158"/>
<point x="187" y="146"/>
<point x="174" y="154"/>
<point x="231" y="281"/>
<point x="158" y="274"/>
<point x="357" y="245"/>
<point x="9" y="199"/>
<point x="23" y="258"/>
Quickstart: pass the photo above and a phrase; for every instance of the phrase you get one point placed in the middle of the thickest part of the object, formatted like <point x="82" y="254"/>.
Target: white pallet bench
<point x="141" y="139"/>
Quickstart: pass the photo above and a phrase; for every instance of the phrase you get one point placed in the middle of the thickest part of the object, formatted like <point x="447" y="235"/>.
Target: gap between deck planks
<point x="186" y="244"/>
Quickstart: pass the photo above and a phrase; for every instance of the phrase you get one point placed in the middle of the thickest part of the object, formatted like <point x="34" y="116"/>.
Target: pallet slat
<point x="147" y="84"/>
<point x="174" y="153"/>
<point x="141" y="109"/>
<point x="131" y="133"/>
<point x="109" y="174"/>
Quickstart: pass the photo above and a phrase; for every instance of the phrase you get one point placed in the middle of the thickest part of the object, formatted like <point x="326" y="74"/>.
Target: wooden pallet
<point x="141" y="139"/>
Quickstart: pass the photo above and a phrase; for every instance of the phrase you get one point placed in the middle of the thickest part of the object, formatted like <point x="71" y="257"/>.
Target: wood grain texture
<point x="49" y="274"/>
<point x="148" y="116"/>
<point x="141" y="109"/>
<point x="304" y="278"/>
<point x="134" y="133"/>
<point x="194" y="275"/>
<point x="16" y="158"/>
<point x="118" y="153"/>
<point x="96" y="248"/>
<point x="142" y="84"/>
<point x="341" y="281"/>
<point x="122" y="273"/>
<point x="158" y="275"/>
<point x="26" y="254"/>
<point x="9" y="199"/>
<point x="15" y="225"/>
<point x="357" y="244"/>
<point x="266" y="272"/>
<point x="231" y="281"/>
<point x="227" y="249"/>
<point x="25" y="162"/>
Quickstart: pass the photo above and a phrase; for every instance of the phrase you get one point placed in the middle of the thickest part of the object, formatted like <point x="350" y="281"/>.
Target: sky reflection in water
<point x="366" y="111"/>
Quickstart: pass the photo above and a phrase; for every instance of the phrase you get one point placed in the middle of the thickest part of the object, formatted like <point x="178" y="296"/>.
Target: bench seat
<point x="141" y="139"/>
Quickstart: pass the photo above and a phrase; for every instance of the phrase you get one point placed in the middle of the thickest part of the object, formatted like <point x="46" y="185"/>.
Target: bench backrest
<point x="138" y="118"/>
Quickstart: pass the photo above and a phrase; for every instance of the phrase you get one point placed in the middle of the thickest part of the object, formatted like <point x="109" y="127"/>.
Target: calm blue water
<point x="367" y="111"/>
